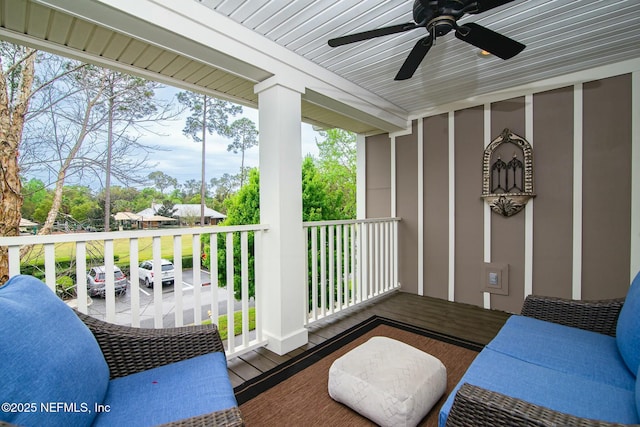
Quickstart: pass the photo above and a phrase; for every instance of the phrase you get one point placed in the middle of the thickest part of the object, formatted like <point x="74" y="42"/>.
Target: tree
<point x="16" y="81"/>
<point x="67" y="119"/>
<point x="130" y="102"/>
<point x="42" y="210"/>
<point x="191" y="188"/>
<point x="224" y="186"/>
<point x="76" y="106"/>
<point x="207" y="115"/>
<point x="79" y="202"/>
<point x="318" y="203"/>
<point x="123" y="199"/>
<point x="34" y="193"/>
<point x="242" y="208"/>
<point x="161" y="180"/>
<point x="145" y="199"/>
<point x="337" y="164"/>
<point x="245" y="135"/>
<point x="315" y="205"/>
<point x="166" y="209"/>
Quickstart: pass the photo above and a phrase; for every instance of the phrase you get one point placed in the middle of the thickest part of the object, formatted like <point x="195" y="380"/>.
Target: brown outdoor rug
<point x="295" y="394"/>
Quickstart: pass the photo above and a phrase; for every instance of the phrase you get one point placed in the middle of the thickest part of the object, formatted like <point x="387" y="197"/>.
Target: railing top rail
<point x="128" y="234"/>
<point x="349" y="221"/>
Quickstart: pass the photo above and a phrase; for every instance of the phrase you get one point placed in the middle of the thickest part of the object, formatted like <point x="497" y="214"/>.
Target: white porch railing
<point x="189" y="301"/>
<point x="349" y="262"/>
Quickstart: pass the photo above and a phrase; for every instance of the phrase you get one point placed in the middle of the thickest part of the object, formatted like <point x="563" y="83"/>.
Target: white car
<point x="145" y="272"/>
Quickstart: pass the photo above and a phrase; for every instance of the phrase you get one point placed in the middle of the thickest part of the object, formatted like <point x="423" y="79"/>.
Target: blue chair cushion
<point x="562" y="348"/>
<point x="50" y="359"/>
<point x="547" y="387"/>
<point x="638" y="392"/>
<point x="185" y="389"/>
<point x="628" y="327"/>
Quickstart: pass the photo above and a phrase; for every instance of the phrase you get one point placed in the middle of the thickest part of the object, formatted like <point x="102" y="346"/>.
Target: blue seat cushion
<point x="185" y="389"/>
<point x="570" y="350"/>
<point x="49" y="358"/>
<point x="628" y="327"/>
<point x="546" y="387"/>
<point x="638" y="392"/>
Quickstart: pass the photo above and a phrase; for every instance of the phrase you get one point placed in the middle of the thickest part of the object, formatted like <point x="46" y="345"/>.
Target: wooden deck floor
<point x="460" y="320"/>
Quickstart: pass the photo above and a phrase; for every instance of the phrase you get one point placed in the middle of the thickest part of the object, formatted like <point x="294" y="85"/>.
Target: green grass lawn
<point x="66" y="251"/>
<point x="237" y="323"/>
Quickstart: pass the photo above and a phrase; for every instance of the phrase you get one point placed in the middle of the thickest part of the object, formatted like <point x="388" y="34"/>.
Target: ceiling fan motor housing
<point x="441" y="25"/>
<point x="439" y="18"/>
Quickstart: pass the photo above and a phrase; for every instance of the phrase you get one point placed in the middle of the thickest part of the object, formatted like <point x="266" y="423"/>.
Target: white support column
<point x="576" y="286"/>
<point x="452" y="206"/>
<point x="361" y="177"/>
<point x="528" y="209"/>
<point x="486" y="296"/>
<point x="283" y="251"/>
<point x="420" y="186"/>
<point x="635" y="175"/>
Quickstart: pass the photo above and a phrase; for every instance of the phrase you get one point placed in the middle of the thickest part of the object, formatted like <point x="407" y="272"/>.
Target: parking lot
<point x="147" y="308"/>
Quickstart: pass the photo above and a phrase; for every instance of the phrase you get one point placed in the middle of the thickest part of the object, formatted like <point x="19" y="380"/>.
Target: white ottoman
<point x="388" y="381"/>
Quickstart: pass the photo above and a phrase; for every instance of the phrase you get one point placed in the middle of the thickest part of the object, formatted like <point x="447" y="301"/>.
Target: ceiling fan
<point x="440" y="17"/>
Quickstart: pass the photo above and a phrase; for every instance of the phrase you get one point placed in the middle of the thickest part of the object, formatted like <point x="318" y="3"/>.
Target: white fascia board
<point x="335" y="105"/>
<point x="243" y="52"/>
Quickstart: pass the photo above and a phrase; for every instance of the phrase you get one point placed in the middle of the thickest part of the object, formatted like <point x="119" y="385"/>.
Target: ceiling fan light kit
<point x="439" y="17"/>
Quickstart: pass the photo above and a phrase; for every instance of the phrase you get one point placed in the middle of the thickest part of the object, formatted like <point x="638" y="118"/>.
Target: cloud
<point x="182" y="156"/>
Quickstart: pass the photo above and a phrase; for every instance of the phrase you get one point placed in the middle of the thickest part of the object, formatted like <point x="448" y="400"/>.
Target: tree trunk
<point x="11" y="125"/>
<point x="62" y="174"/>
<point x="204" y="139"/>
<point x="242" y="172"/>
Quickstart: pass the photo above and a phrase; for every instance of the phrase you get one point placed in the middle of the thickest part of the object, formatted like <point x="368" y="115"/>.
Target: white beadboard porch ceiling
<point x="562" y="37"/>
<point x="353" y="87"/>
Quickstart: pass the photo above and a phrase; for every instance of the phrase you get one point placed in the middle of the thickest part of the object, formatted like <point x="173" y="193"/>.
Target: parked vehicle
<point x="145" y="272"/>
<point x="96" y="281"/>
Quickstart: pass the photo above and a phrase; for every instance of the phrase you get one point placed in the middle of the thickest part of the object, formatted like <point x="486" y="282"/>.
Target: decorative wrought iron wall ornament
<point x="507" y="186"/>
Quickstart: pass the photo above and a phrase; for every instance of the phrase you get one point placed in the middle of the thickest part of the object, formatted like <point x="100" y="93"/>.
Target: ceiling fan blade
<point x="484" y="5"/>
<point x="414" y="59"/>
<point x="366" y="35"/>
<point x="484" y="38"/>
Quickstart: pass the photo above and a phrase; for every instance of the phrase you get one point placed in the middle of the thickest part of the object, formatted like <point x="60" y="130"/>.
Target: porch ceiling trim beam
<point x="238" y="50"/>
<point x="352" y="112"/>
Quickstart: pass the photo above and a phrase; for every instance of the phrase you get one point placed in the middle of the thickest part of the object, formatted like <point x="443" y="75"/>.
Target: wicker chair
<point x="49" y="354"/>
<point x="127" y="350"/>
<point x="476" y="406"/>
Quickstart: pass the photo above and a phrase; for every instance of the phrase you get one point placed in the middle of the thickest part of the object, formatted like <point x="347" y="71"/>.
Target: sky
<point x="180" y="157"/>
